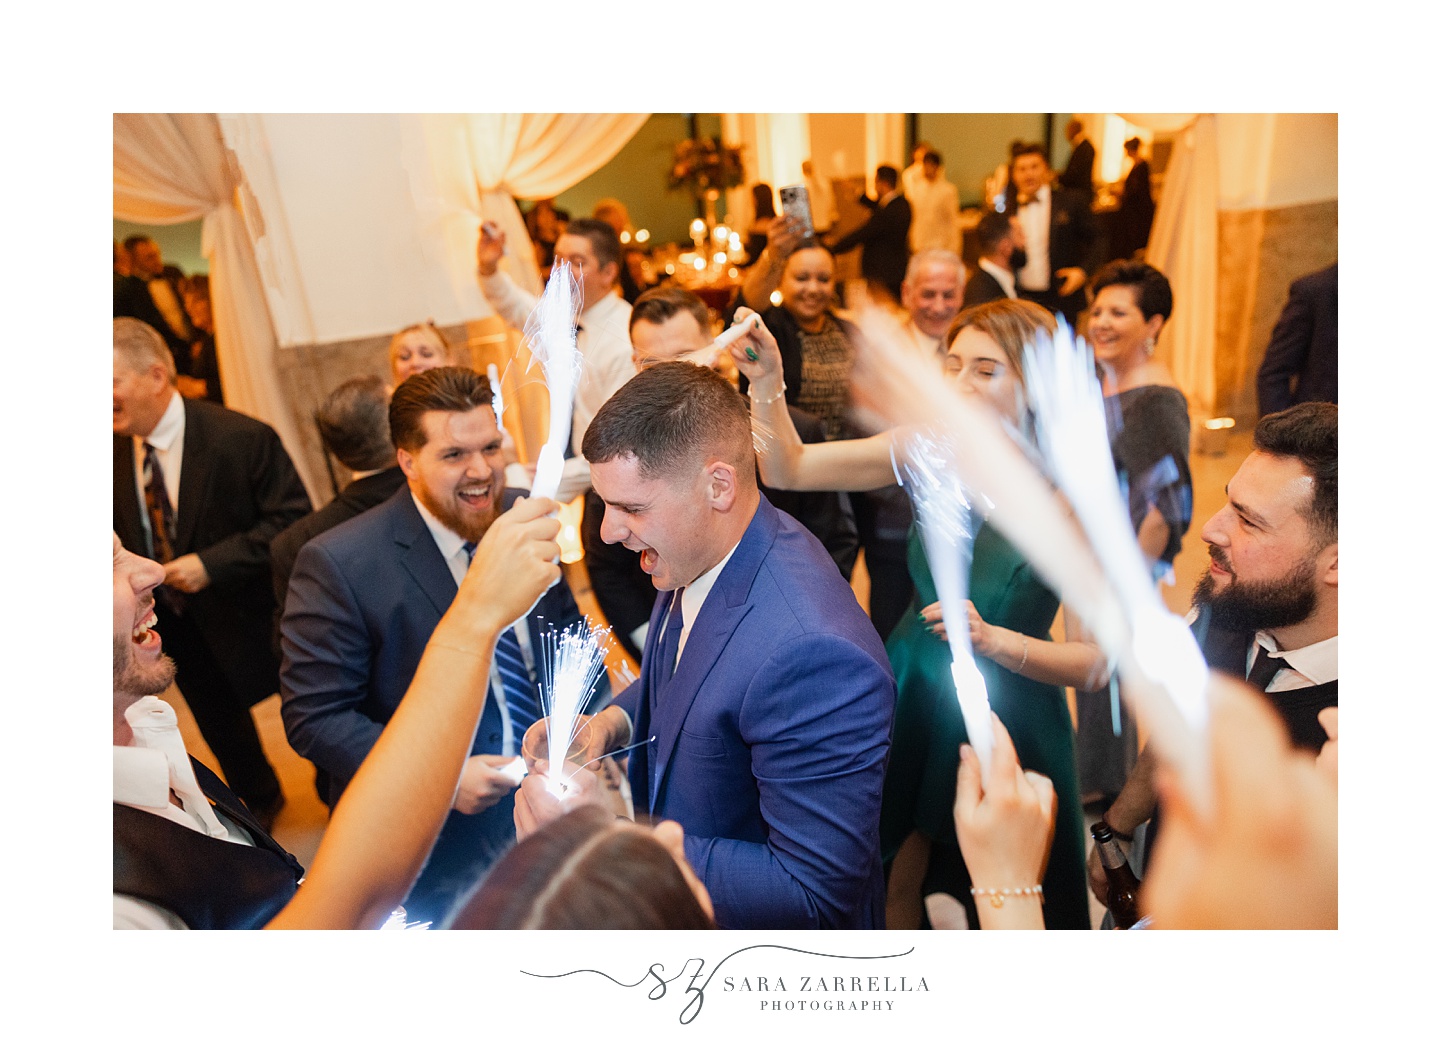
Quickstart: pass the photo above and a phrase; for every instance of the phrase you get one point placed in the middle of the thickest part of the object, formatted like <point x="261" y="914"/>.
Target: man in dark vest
<point x="1267" y="608"/>
<point x="186" y="852"/>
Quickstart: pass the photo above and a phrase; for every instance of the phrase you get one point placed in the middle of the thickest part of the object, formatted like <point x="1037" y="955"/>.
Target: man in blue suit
<point x="365" y="597"/>
<point x="764" y="705"/>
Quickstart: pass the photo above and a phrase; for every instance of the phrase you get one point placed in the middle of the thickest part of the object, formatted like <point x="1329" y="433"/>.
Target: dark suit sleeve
<point x="327" y="658"/>
<point x="1289" y="346"/>
<point x="278" y="499"/>
<point x="817" y="717"/>
<point x="875" y="228"/>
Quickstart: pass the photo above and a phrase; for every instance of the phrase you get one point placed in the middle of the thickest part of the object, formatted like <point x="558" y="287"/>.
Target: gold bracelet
<point x="997" y="894"/>
<point x="768" y="401"/>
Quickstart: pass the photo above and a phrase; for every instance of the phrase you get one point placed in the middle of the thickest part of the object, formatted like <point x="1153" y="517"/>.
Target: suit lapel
<point x="126" y="513"/>
<point x="196" y="467"/>
<point x="724" y="608"/>
<point x="418" y="553"/>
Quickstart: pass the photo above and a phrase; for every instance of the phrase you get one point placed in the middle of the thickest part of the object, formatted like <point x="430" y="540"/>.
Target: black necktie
<point x="1264" y="669"/>
<point x="158" y="507"/>
<point x="521" y="694"/>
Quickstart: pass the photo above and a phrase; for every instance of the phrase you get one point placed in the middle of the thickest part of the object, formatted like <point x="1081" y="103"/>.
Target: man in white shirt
<point x="934" y="209"/>
<point x="1267" y="608"/>
<point x="603" y="337"/>
<point x="186" y="852"/>
<point x="932" y="295"/>
<point x="1059" y="234"/>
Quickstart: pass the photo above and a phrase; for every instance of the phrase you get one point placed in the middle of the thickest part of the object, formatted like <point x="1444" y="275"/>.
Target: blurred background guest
<point x="1000" y="238"/>
<point x="632" y="277"/>
<point x="1149" y="434"/>
<point x="1302" y="361"/>
<point x="417" y="349"/>
<point x="1078" y="174"/>
<point x="132" y="297"/>
<point x="1135" y="217"/>
<point x="544" y="223"/>
<point x="1060" y="239"/>
<point x="932" y="296"/>
<point x="883" y="238"/>
<point x="934" y="209"/>
<point x="203" y="378"/>
<point x="822" y="196"/>
<point x="763" y="200"/>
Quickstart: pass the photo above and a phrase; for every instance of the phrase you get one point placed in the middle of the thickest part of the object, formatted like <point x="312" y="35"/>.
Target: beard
<point x="1258" y="606"/>
<point x="128" y="675"/>
<point x="472" y="526"/>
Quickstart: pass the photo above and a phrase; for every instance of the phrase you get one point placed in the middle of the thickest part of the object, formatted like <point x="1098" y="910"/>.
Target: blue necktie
<point x="666" y="649"/>
<point x="521" y="694"/>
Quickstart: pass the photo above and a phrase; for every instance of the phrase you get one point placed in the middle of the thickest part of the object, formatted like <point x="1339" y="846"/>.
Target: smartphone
<point x="796" y="205"/>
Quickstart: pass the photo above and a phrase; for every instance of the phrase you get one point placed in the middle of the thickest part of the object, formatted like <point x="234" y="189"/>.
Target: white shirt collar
<point x="169" y="427"/>
<point x="1318" y="663"/>
<point x="155" y="765"/>
<point x="1001" y="274"/>
<point x="449" y="542"/>
<point x="693" y="597"/>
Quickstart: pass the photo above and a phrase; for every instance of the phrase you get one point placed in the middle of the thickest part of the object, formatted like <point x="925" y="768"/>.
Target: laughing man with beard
<point x="1267" y="608"/>
<point x="365" y="597"/>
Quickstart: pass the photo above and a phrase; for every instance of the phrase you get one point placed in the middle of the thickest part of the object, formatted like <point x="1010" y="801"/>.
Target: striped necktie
<point x="521" y="694"/>
<point x="158" y="507"/>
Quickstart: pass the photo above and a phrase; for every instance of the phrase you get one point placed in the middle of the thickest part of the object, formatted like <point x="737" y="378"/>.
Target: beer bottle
<point x="1123" y="886"/>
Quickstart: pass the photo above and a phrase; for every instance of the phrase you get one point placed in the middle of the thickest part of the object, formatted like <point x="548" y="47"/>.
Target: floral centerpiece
<point x="706" y="167"/>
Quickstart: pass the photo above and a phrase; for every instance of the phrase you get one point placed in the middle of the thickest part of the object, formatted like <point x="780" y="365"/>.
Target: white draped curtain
<point x="1184" y="245"/>
<point x="172" y="168"/>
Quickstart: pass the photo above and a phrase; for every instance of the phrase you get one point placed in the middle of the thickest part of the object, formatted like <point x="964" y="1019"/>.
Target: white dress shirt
<point x="694" y="595"/>
<point x="934" y="216"/>
<point x="145" y="775"/>
<point x="1002" y="275"/>
<point x="451" y="545"/>
<point x="1303" y="667"/>
<point x="1035" y="218"/>
<point x="604" y="343"/>
<point x="168" y="438"/>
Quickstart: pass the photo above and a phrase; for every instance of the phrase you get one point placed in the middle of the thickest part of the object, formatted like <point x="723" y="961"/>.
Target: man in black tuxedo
<point x="1267" y="608"/>
<point x="353" y="422"/>
<point x="1302" y="363"/>
<point x="883" y="238"/>
<point x="203" y="490"/>
<point x="1078" y="174"/>
<point x="135" y="265"/>
<point x="1059" y="235"/>
<point x="1000" y="240"/>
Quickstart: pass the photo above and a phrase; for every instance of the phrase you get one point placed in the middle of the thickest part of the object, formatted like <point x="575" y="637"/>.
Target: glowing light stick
<point x="498" y="394"/>
<point x="1163" y="668"/>
<point x="550" y="334"/>
<point x="1002" y="483"/>
<point x="925" y="467"/>
<point x="574" y="661"/>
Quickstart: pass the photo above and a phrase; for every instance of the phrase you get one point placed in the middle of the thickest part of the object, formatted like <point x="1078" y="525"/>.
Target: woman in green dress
<point x="1010" y="614"/>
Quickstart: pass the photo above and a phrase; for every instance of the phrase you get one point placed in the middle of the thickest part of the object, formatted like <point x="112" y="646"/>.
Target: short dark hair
<point x="1132" y="144"/>
<point x="133" y="241"/>
<point x="663" y="303"/>
<point x="604" y="241"/>
<point x="764" y="199"/>
<point x="1308" y="432"/>
<point x="1029" y="148"/>
<point x="993" y="229"/>
<point x="671" y="416"/>
<point x="887" y="174"/>
<point x="1151" y="286"/>
<point x="448" y="389"/>
<point x="353" y="422"/>
<point x="584" y="871"/>
<point x="932" y="157"/>
<point x="1073" y="127"/>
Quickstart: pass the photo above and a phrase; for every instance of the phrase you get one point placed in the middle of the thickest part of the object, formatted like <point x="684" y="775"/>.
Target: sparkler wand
<point x="1007" y="487"/>
<point x="925" y="467"/>
<point x="1162" y="668"/>
<point x="550" y="334"/>
<point x="574" y="661"/>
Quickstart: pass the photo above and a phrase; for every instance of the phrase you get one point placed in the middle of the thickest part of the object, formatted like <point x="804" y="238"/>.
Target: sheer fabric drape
<point x="1184" y="245"/>
<point x="173" y="167"/>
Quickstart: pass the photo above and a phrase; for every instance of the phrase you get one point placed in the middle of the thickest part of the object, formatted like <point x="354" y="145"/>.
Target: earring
<point x="1149" y="347"/>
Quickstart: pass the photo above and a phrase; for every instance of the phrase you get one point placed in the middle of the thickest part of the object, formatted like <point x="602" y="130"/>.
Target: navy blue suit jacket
<point x="771" y="739"/>
<point x="363" y="601"/>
